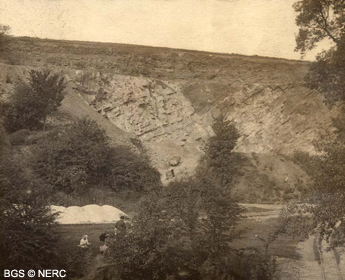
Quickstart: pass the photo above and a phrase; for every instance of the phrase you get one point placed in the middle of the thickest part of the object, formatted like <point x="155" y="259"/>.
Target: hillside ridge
<point x="112" y="44"/>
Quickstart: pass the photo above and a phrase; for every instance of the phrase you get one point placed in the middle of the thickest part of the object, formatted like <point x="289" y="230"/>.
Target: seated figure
<point x="84" y="242"/>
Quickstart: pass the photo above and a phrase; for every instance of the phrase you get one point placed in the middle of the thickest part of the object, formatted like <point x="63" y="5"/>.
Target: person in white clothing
<point x="84" y="242"/>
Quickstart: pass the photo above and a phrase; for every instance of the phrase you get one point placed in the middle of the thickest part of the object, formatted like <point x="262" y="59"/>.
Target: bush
<point x="70" y="162"/>
<point x="131" y="173"/>
<point x="81" y="159"/>
<point x="17" y="112"/>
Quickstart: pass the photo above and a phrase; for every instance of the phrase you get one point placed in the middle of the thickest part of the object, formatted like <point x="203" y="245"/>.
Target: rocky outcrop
<point x="156" y="111"/>
<point x="174" y="118"/>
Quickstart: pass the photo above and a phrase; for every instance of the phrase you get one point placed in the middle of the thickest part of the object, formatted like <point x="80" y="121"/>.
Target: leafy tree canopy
<point x="171" y="239"/>
<point x="31" y="103"/>
<point x="319" y="20"/>
<point x="214" y="178"/>
<point x="325" y="195"/>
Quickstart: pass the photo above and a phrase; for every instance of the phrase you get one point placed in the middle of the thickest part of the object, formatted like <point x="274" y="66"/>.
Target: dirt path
<point x="268" y="211"/>
<point x="329" y="262"/>
<point x="341" y="265"/>
<point x="93" y="271"/>
<point x="327" y="269"/>
<point x="309" y="267"/>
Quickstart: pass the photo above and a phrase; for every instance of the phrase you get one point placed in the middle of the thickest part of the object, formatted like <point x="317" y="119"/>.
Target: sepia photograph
<point x="172" y="139"/>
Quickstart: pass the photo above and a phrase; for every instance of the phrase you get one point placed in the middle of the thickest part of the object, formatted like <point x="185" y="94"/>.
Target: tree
<point x="170" y="239"/>
<point x="31" y="103"/>
<point x="326" y="193"/>
<point x="131" y="174"/>
<point x="219" y="157"/>
<point x="27" y="235"/>
<point x="18" y="112"/>
<point x="319" y="20"/>
<point x="329" y="179"/>
<point x="215" y="176"/>
<point x="160" y="243"/>
<point x="4" y="31"/>
<point x="48" y="92"/>
<point x="216" y="172"/>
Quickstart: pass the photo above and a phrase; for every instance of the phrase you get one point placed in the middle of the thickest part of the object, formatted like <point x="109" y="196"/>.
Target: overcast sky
<point x="250" y="27"/>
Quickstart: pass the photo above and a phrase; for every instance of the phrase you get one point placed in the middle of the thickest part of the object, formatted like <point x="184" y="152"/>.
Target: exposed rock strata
<point x="168" y="98"/>
<point x="173" y="118"/>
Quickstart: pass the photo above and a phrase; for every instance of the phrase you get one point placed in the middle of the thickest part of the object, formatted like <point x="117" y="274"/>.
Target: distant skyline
<point x="248" y="27"/>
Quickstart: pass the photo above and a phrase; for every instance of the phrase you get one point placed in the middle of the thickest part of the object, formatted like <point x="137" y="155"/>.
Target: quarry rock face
<point x="156" y="111"/>
<point x="168" y="99"/>
<point x="173" y="118"/>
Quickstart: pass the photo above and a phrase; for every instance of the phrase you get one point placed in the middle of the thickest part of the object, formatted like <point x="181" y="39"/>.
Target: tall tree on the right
<point x="320" y="20"/>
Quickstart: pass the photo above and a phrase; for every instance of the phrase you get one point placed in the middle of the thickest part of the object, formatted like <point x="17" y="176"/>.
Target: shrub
<point x="81" y="158"/>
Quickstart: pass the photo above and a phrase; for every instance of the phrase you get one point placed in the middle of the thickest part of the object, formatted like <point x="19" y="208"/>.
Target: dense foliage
<point x="327" y="191"/>
<point x="31" y="103"/>
<point x="81" y="158"/>
<point x="320" y="20"/>
<point x="27" y="236"/>
<point x="170" y="240"/>
<point x="214" y="177"/>
<point x="219" y="158"/>
<point x="74" y="160"/>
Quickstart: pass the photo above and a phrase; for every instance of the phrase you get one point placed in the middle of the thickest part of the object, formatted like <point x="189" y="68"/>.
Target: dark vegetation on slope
<point x="74" y="157"/>
<point x="325" y="193"/>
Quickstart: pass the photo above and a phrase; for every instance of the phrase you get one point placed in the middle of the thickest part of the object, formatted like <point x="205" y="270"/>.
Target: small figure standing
<point x="84" y="242"/>
<point x="104" y="237"/>
<point x="120" y="226"/>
